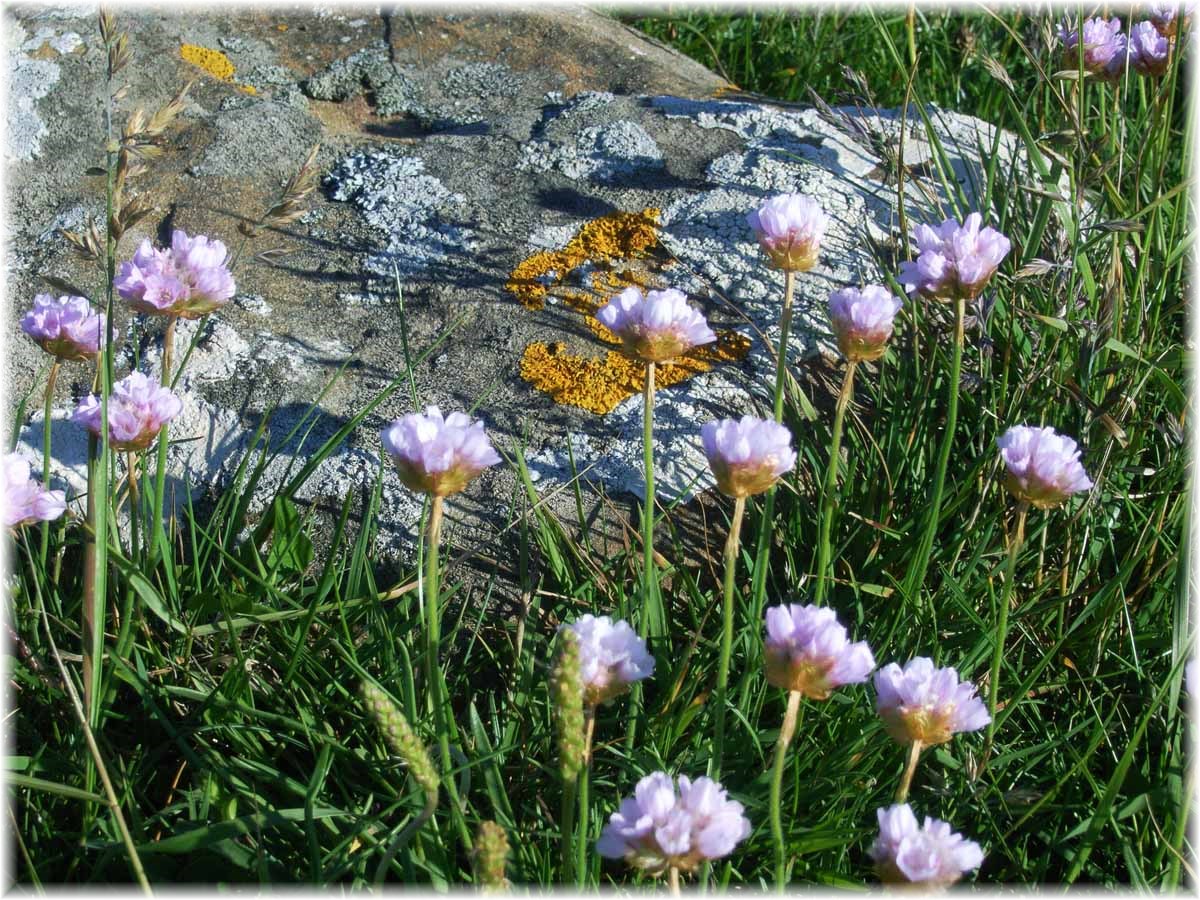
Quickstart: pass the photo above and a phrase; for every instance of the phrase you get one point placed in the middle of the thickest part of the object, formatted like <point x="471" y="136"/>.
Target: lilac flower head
<point x="748" y="455"/>
<point x="656" y="327"/>
<point x="930" y="854"/>
<point x="189" y="280"/>
<point x="1165" y="16"/>
<point x="807" y="650"/>
<point x="612" y="657"/>
<point x="862" y="320"/>
<point x="138" y="408"/>
<point x="926" y="704"/>
<point x="789" y="228"/>
<point x="659" y="828"/>
<point x="954" y="261"/>
<point x="1043" y="465"/>
<point x="66" y="327"/>
<point x="1103" y="46"/>
<point x="25" y="499"/>
<point x="436" y="455"/>
<point x="1149" y="50"/>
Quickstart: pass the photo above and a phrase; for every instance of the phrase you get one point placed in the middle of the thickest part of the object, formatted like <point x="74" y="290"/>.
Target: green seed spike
<point x="491" y="857"/>
<point x="566" y="691"/>
<point x="400" y="736"/>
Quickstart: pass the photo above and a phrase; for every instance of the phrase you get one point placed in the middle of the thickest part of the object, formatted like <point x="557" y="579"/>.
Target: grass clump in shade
<point x="219" y="729"/>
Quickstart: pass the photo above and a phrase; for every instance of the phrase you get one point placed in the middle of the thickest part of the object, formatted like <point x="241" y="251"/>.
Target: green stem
<point x="570" y="789"/>
<point x="655" y="621"/>
<point x="48" y="407"/>
<point x="401" y="840"/>
<point x="824" y="573"/>
<point x="1014" y="548"/>
<point x="914" y="754"/>
<point x="916" y="573"/>
<point x="731" y="555"/>
<point x="160" y="472"/>
<point x="582" y="845"/>
<point x="785" y="325"/>
<point x="788" y="729"/>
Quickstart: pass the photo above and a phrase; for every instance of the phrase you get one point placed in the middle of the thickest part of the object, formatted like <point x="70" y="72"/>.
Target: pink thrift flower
<point x="923" y="703"/>
<point x="657" y="327"/>
<point x="1043" y="465"/>
<point x="659" y="828"/>
<point x="1104" y="46"/>
<point x="438" y="455"/>
<point x="1149" y="51"/>
<point x="954" y="261"/>
<point x="612" y="657"/>
<point x="66" y="327"/>
<point x="1166" y="18"/>
<point x="930" y="854"/>
<point x="138" y="408"/>
<point x="789" y="228"/>
<point x="25" y="499"/>
<point x="189" y="280"/>
<point x="862" y="320"/>
<point x="807" y="651"/>
<point x="747" y="456"/>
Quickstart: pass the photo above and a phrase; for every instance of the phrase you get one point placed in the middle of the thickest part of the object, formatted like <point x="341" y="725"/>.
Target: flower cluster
<point x="930" y="854"/>
<point x="807" y="650"/>
<point x="660" y="827"/>
<point x="188" y="280"/>
<point x="66" y="327"/>
<point x="924" y="703"/>
<point x="1104" y="46"/>
<point x="138" y="408"/>
<point x="1106" y="51"/>
<point x="1149" y="49"/>
<point x="656" y="327"/>
<point x="747" y="456"/>
<point x="612" y="657"/>
<point x="1165" y="16"/>
<point x="25" y="499"/>
<point x="789" y="228"/>
<point x="862" y="320"/>
<point x="438" y="455"/>
<point x="954" y="262"/>
<point x="1042" y="465"/>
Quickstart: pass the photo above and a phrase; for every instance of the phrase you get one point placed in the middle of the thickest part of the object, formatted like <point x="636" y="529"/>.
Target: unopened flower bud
<point x="400" y="737"/>
<point x="491" y="857"/>
<point x="566" y="693"/>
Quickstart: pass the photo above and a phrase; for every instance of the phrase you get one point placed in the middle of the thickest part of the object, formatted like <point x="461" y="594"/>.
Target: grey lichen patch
<point x="262" y="137"/>
<point x="606" y="154"/>
<point x="29" y="81"/>
<point x="481" y="80"/>
<point x="370" y="67"/>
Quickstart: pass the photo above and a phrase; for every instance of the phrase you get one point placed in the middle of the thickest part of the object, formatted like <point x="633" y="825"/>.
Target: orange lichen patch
<point x="214" y="62"/>
<point x="617" y="236"/>
<point x="248" y="89"/>
<point x="598" y="384"/>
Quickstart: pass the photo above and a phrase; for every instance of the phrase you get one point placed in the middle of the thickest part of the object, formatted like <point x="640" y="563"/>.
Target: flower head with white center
<point x="930" y="854"/>
<point x="138" y="407"/>
<point x="25" y="499"/>
<point x="862" y="320"/>
<point x="612" y="657"/>
<point x="438" y="455"/>
<point x="1042" y="465"/>
<point x="789" y="228"/>
<point x="749" y="455"/>
<point x="659" y="828"/>
<point x="66" y="327"/>
<point x="188" y="280"/>
<point x="807" y="650"/>
<point x="656" y="327"/>
<point x="954" y="261"/>
<point x="924" y="703"/>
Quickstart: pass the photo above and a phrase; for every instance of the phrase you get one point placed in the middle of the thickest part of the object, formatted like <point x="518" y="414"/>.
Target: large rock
<point x="498" y="174"/>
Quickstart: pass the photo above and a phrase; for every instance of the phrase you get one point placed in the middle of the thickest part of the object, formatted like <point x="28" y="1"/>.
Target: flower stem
<point x="160" y="473"/>
<point x="673" y="881"/>
<point x="785" y="325"/>
<point x="781" y="746"/>
<point x="48" y="407"/>
<point x="824" y="573"/>
<point x="655" y="622"/>
<point x="920" y="563"/>
<point x="731" y="555"/>
<point x="914" y="754"/>
<point x="168" y="350"/>
<point x="569" y="794"/>
<point x="582" y="844"/>
<point x="400" y="841"/>
<point x="1014" y="549"/>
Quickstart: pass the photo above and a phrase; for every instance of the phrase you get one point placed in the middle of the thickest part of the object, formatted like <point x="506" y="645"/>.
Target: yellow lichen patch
<point x="617" y="236"/>
<point x="598" y="384"/>
<point x="214" y="62"/>
<point x="248" y="89"/>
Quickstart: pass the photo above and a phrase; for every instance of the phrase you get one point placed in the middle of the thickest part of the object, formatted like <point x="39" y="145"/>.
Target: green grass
<point x="230" y="719"/>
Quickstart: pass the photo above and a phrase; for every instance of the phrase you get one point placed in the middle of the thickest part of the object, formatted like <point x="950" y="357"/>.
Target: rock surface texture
<point x="498" y="174"/>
